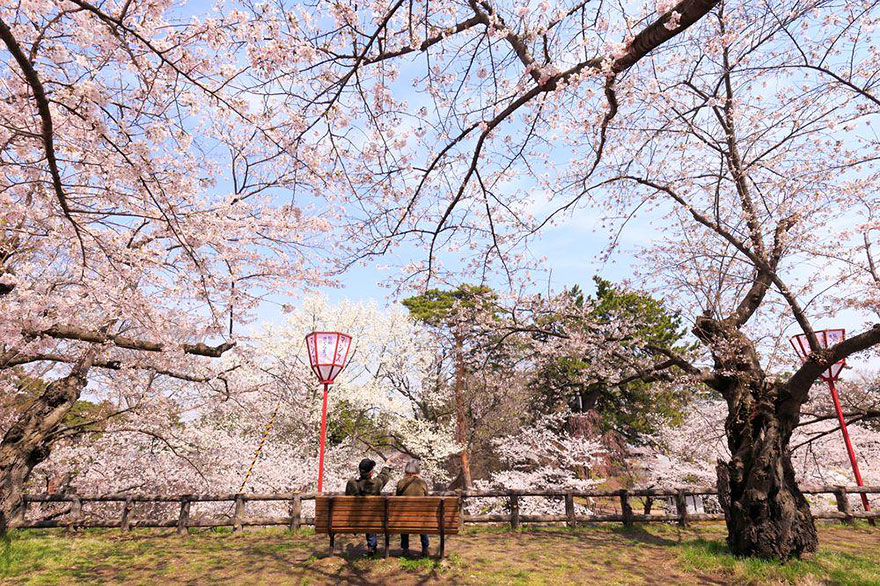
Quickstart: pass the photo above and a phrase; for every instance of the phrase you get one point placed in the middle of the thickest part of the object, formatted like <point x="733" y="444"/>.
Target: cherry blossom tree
<point x="741" y="237"/>
<point x="744" y="129"/>
<point x="542" y="455"/>
<point x="145" y="204"/>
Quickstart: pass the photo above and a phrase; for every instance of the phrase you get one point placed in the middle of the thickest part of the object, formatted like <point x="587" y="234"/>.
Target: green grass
<point x="606" y="554"/>
<point x="417" y="565"/>
<point x="834" y="567"/>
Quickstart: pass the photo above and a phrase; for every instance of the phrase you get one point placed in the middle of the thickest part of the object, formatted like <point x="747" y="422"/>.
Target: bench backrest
<point x="394" y="514"/>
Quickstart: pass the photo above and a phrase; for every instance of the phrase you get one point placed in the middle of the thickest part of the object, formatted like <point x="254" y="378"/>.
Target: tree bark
<point x="27" y="442"/>
<point x="766" y="514"/>
<point x="461" y="414"/>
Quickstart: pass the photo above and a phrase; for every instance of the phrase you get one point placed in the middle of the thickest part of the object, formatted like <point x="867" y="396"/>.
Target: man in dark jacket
<point x="413" y="485"/>
<point x="366" y="484"/>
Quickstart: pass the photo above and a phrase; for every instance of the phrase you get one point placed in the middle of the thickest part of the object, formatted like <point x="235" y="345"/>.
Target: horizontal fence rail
<point x="73" y="516"/>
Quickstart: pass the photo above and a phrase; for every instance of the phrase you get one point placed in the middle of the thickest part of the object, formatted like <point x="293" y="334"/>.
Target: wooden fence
<point x="73" y="516"/>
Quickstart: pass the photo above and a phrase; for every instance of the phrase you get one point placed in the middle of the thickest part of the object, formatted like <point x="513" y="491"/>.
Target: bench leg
<point x="442" y="528"/>
<point x="332" y="543"/>
<point x="387" y="539"/>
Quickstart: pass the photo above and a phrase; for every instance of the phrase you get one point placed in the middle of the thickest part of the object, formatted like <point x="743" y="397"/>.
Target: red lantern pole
<point x="828" y="338"/>
<point x="328" y="352"/>
<point x="323" y="439"/>
<point x="849" y="447"/>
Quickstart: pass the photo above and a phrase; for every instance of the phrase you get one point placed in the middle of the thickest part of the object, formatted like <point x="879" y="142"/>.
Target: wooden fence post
<point x="569" y="510"/>
<point x="295" y="513"/>
<point x="239" y="512"/>
<point x="76" y="513"/>
<point x="514" y="511"/>
<point x="183" y="517"/>
<point x="649" y="502"/>
<point x="626" y="509"/>
<point x="681" y="506"/>
<point x="19" y="514"/>
<point x="843" y="505"/>
<point x="125" y="522"/>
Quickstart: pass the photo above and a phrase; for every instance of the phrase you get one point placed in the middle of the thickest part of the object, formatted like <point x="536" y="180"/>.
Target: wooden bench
<point x="435" y="515"/>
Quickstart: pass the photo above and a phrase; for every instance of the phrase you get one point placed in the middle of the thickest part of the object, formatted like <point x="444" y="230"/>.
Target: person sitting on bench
<point x="413" y="485"/>
<point x="366" y="484"/>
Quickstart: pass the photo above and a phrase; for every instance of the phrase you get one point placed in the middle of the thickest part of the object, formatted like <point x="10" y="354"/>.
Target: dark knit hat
<point x="366" y="466"/>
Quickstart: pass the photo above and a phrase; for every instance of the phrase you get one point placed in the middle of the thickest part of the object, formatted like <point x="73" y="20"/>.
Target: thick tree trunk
<point x="766" y="514"/>
<point x="461" y="414"/>
<point x="28" y="441"/>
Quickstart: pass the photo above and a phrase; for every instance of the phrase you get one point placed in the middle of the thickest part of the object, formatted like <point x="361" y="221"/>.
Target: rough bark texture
<point x="461" y="415"/>
<point x="27" y="442"/>
<point x="766" y="513"/>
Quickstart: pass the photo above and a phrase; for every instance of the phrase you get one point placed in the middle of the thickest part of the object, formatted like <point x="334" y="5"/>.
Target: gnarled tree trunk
<point x="28" y="441"/>
<point x="766" y="514"/>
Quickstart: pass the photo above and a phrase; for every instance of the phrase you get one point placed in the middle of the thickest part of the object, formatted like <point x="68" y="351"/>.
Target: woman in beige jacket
<point x="413" y="485"/>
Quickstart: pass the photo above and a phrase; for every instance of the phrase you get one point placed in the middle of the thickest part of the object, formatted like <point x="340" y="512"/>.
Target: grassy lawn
<point x="650" y="554"/>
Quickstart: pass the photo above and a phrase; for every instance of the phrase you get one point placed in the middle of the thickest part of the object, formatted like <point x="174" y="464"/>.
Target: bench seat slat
<point x="340" y="520"/>
<point x="448" y="522"/>
<point x="347" y="498"/>
<point x="392" y="511"/>
<point x="393" y="531"/>
<point x="392" y="518"/>
<point x="377" y="528"/>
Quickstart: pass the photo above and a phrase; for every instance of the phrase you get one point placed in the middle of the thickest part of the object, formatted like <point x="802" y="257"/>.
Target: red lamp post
<point x="328" y="352"/>
<point x="828" y="338"/>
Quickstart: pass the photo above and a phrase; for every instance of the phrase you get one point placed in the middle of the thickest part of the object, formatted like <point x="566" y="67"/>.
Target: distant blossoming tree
<point x="543" y="456"/>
